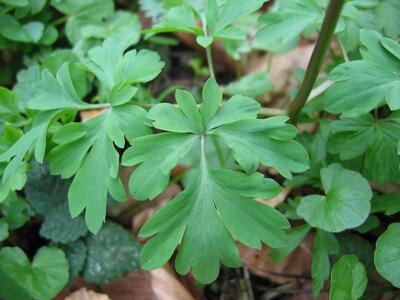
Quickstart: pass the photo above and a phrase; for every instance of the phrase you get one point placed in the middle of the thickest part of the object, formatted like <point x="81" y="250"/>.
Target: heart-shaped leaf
<point x="204" y="41"/>
<point x="347" y="202"/>
<point x="41" y="279"/>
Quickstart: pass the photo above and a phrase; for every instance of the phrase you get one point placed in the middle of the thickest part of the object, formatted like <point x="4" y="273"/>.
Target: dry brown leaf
<point x="167" y="287"/>
<point x="85" y="294"/>
<point x="278" y="199"/>
<point x="159" y="284"/>
<point x="297" y="263"/>
<point x="90" y="114"/>
<point x="291" y="273"/>
<point x="281" y="68"/>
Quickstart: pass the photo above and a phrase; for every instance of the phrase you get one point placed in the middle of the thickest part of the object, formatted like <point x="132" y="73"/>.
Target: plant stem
<point x="96" y="106"/>
<point x="209" y="61"/>
<point x="328" y="27"/>
<point x="208" y="48"/>
<point x="218" y="149"/>
<point x="342" y="49"/>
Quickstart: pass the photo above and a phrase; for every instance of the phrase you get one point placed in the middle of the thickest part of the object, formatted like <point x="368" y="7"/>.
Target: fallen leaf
<point x="85" y="294"/>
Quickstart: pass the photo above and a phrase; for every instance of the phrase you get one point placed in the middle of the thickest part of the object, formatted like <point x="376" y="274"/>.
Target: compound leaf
<point x="112" y="67"/>
<point x="376" y="139"/>
<point x="256" y="141"/>
<point x="204" y="216"/>
<point x="56" y="93"/>
<point x="87" y="150"/>
<point x="371" y="81"/>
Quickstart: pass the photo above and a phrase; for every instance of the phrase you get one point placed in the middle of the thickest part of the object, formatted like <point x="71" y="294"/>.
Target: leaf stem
<point x="218" y="149"/>
<point x="342" y="49"/>
<point x="210" y="61"/>
<point x="203" y="163"/>
<point x="96" y="106"/>
<point x="208" y="48"/>
<point x="328" y="27"/>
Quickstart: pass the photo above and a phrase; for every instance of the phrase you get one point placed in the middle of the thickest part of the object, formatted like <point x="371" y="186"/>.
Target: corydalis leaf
<point x="204" y="216"/>
<point x="377" y="140"/>
<point x="87" y="150"/>
<point x="14" y="175"/>
<point x="112" y="66"/>
<point x="216" y="17"/>
<point x="371" y="81"/>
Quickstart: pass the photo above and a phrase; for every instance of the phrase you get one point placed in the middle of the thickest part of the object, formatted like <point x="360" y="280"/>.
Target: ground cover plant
<point x="158" y="135"/>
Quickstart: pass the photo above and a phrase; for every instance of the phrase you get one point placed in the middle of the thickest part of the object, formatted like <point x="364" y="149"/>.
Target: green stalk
<point x="210" y="61"/>
<point x="208" y="49"/>
<point x="328" y="27"/>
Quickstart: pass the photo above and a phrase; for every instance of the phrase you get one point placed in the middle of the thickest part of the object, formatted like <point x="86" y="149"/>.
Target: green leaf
<point x="295" y="237"/>
<point x="389" y="204"/>
<point x="59" y="227"/>
<point x="215" y="198"/>
<point x="350" y="243"/>
<point x="158" y="155"/>
<point x="185" y="119"/>
<point x="387" y="254"/>
<point x="345" y="205"/>
<point x="26" y="78"/>
<point x="356" y="15"/>
<point x="81" y="13"/>
<point x="153" y="9"/>
<point x="76" y="253"/>
<point x="230" y="11"/>
<point x="256" y="141"/>
<point x="377" y="140"/>
<point x="177" y="19"/>
<point x="111" y="66"/>
<point x="12" y="29"/>
<point x="216" y="19"/>
<point x="325" y="244"/>
<point x="14" y="176"/>
<point x="44" y="191"/>
<point x="282" y="28"/>
<point x="111" y="254"/>
<point x="372" y="81"/>
<point x="55" y="61"/>
<point x="227" y="191"/>
<point x="386" y="15"/>
<point x="372" y="222"/>
<point x="16" y="3"/>
<point x="120" y="24"/>
<point x="9" y="110"/>
<point x="3" y="229"/>
<point x="15" y="211"/>
<point x="251" y="85"/>
<point x="87" y="150"/>
<point x="56" y="93"/>
<point x="348" y="279"/>
<point x="212" y="98"/>
<point x="41" y="279"/>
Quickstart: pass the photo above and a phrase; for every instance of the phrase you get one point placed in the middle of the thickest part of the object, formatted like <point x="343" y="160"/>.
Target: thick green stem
<point x="328" y="27"/>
